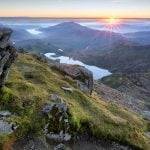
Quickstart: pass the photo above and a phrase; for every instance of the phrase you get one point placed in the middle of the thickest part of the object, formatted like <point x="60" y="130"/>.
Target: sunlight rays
<point x="112" y="24"/>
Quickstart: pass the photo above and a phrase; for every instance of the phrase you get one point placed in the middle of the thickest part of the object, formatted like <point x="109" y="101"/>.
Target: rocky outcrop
<point x="8" y="54"/>
<point x="83" y="76"/>
<point x="57" y="127"/>
<point x="88" y="78"/>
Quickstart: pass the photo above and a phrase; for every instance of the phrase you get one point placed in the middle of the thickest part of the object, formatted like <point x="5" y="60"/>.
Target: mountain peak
<point x="71" y="23"/>
<point x="71" y="26"/>
<point x="67" y="26"/>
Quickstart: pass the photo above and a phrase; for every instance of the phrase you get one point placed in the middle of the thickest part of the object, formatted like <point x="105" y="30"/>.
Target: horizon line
<point x="72" y="17"/>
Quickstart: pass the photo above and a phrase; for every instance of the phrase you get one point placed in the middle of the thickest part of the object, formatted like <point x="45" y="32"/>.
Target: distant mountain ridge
<point x="38" y="45"/>
<point x="20" y="35"/>
<point x="101" y="48"/>
<point x="142" y="37"/>
<point x="70" y="35"/>
<point x="121" y="58"/>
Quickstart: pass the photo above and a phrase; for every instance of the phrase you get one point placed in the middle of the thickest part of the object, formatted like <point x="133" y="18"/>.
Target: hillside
<point x="139" y="83"/>
<point x="120" y="58"/>
<point x="38" y="46"/>
<point x="20" y="34"/>
<point x="142" y="37"/>
<point x="28" y="89"/>
<point x="107" y="92"/>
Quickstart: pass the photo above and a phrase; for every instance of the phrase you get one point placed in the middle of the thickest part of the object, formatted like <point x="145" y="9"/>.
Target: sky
<point x="75" y="8"/>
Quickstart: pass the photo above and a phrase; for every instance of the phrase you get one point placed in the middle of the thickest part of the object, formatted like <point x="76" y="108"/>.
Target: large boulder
<point x="83" y="76"/>
<point x="8" y="54"/>
<point x="87" y="80"/>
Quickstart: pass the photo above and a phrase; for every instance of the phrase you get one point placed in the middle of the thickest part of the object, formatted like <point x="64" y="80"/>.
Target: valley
<point x="72" y="84"/>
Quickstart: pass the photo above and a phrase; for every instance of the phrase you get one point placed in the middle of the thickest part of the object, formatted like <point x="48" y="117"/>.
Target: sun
<point x="112" y="20"/>
<point x="112" y="24"/>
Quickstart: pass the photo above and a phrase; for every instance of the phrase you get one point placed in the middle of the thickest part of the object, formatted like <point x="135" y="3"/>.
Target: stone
<point x="88" y="75"/>
<point x="8" y="54"/>
<point x="67" y="90"/>
<point x="62" y="137"/>
<point x="32" y="147"/>
<point x="48" y="108"/>
<point x="6" y="127"/>
<point x="59" y="147"/>
<point x="62" y="107"/>
<point x="70" y="70"/>
<point x="5" y="113"/>
<point x="56" y="98"/>
<point x="83" y="87"/>
<point x="66" y="120"/>
<point x="46" y="128"/>
<point x="146" y="114"/>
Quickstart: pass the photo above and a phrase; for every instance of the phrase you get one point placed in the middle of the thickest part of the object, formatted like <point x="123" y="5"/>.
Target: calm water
<point x="98" y="73"/>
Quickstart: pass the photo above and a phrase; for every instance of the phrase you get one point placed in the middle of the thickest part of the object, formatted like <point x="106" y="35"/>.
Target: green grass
<point x="29" y="86"/>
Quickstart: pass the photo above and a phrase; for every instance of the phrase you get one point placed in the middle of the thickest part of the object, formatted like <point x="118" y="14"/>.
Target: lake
<point x="98" y="73"/>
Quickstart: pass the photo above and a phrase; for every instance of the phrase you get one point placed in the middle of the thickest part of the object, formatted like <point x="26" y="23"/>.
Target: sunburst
<point x="112" y="20"/>
<point x="113" y="24"/>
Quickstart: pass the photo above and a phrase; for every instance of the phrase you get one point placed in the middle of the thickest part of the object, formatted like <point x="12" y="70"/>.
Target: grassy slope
<point x="28" y="88"/>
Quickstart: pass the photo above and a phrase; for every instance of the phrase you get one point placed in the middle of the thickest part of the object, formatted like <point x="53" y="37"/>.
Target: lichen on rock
<point x="57" y="127"/>
<point x="8" y="54"/>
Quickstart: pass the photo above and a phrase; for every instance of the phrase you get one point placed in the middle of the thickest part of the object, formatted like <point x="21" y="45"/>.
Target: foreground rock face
<point x="8" y="54"/>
